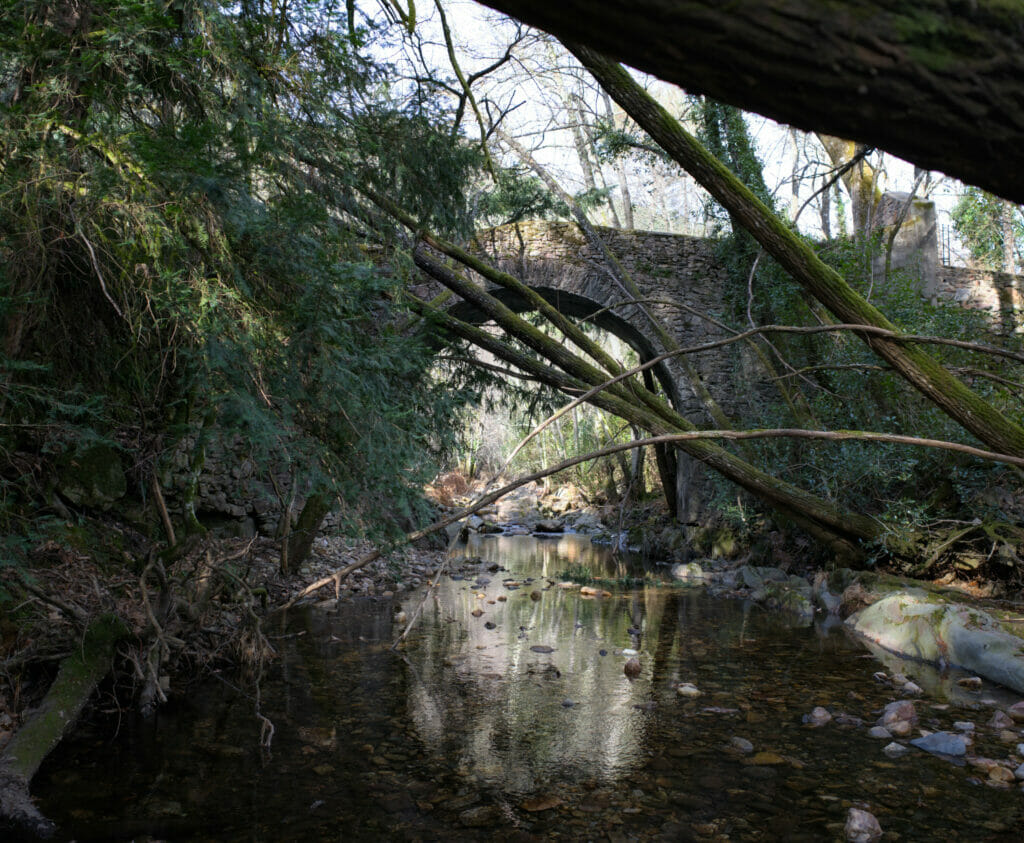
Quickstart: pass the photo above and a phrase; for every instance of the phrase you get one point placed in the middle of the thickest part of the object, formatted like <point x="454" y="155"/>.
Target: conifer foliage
<point x="169" y="257"/>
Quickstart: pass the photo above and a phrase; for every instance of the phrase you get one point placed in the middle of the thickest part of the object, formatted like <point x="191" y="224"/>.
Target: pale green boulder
<point x="918" y="625"/>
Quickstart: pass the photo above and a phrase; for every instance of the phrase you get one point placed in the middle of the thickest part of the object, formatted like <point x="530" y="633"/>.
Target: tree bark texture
<point x="78" y="677"/>
<point x="914" y="364"/>
<point x="938" y="82"/>
<point x="300" y="539"/>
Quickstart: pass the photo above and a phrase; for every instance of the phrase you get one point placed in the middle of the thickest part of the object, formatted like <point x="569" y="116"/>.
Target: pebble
<point x="1019" y="773"/>
<point x="899" y="718"/>
<point x="767" y="759"/>
<point x="895" y="750"/>
<point x="1000" y="720"/>
<point x="745" y="746"/>
<point x="971" y="683"/>
<point x="632" y="668"/>
<point x="912" y="688"/>
<point x="1001" y="774"/>
<point x="687" y="689"/>
<point x="819" y="716"/>
<point x="862" y="826"/>
<point x="1016" y="712"/>
<point x="879" y="732"/>
<point x="963" y="726"/>
<point x="901" y="710"/>
<point x="901" y="728"/>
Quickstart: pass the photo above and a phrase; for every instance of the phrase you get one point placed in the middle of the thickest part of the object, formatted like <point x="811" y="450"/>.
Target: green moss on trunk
<point x="78" y="677"/>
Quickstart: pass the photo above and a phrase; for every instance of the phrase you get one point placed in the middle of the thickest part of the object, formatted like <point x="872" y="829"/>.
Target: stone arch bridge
<point x="681" y="283"/>
<point x="678" y="278"/>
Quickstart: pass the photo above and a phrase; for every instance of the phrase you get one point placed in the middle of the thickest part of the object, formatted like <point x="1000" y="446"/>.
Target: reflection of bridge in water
<point x="537" y="716"/>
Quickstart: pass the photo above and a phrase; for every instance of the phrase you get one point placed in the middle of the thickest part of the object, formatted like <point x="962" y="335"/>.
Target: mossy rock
<point x="716" y="542"/>
<point x="92" y="475"/>
<point x="792" y="597"/>
<point x="922" y="625"/>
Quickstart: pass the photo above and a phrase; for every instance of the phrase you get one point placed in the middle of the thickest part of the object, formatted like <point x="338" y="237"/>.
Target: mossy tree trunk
<point x="916" y="366"/>
<point x="940" y="83"/>
<point x="78" y="677"/>
<point x="300" y="539"/>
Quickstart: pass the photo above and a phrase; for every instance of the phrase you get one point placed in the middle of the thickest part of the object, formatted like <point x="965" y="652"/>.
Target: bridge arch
<point x="680" y="281"/>
<point x="582" y="309"/>
<point x="676" y="482"/>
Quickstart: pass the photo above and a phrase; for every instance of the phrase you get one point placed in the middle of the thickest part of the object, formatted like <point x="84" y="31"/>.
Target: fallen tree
<point x="76" y="680"/>
<point x="827" y="521"/>
<point x="938" y="83"/>
<point x="914" y="364"/>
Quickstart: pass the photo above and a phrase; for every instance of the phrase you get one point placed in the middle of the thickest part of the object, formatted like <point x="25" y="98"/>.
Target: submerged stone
<point x="895" y="750"/>
<point x="743" y="745"/>
<point x="862" y="826"/>
<point x="942" y="743"/>
<point x="818" y="717"/>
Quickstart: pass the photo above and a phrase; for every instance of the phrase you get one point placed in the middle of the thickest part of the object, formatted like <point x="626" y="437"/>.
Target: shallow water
<point x="530" y="729"/>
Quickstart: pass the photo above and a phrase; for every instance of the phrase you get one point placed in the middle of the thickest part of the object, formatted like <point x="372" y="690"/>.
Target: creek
<point x="507" y="715"/>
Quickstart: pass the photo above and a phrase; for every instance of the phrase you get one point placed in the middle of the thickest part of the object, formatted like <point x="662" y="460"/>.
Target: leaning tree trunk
<point x="921" y="370"/>
<point x="300" y="539"/>
<point x="939" y="83"/>
<point x="632" y="404"/>
<point x="78" y="677"/>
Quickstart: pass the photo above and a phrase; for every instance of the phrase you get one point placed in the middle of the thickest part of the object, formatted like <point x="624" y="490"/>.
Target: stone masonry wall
<point x="679" y="278"/>
<point x="999" y="294"/>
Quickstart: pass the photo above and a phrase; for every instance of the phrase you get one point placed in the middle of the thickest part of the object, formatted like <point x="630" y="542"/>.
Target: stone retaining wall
<point x="999" y="294"/>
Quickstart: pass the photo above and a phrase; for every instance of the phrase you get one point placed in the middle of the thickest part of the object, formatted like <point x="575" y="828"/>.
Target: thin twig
<point x="96" y="266"/>
<point x="767" y="433"/>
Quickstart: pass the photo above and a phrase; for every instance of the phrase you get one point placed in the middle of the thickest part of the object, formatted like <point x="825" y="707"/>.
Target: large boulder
<point x="691" y="573"/>
<point x="92" y="475"/>
<point x="919" y="625"/>
<point x="549" y="525"/>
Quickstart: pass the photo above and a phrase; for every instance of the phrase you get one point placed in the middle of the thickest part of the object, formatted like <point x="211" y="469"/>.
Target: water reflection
<point x="533" y="673"/>
<point x="502" y="718"/>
